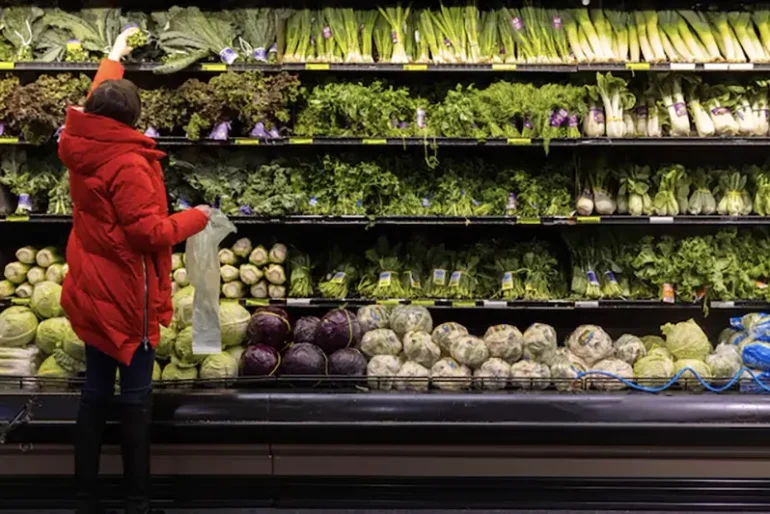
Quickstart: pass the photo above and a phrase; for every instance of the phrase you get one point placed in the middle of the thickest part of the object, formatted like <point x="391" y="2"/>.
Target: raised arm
<point x="110" y="68"/>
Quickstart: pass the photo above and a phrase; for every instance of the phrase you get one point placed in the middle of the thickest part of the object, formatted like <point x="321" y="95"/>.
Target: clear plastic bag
<point x="202" y="262"/>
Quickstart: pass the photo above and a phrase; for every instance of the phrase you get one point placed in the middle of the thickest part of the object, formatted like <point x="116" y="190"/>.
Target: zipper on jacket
<point x="145" y="339"/>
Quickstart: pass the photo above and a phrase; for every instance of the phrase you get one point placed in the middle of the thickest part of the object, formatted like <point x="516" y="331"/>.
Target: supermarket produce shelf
<point x="397" y="68"/>
<point x="367" y="221"/>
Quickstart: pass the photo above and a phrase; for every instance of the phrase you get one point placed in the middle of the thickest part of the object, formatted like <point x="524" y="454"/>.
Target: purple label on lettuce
<point x="447" y="43"/>
<point x="221" y="131"/>
<point x="130" y="26"/>
<point x="425" y="202"/>
<point x="572" y="121"/>
<point x="2" y="128"/>
<point x="641" y="111"/>
<point x="258" y="130"/>
<point x="359" y="203"/>
<point x="260" y="54"/>
<point x="739" y="113"/>
<point x="563" y="113"/>
<point x="313" y="201"/>
<point x="511" y="205"/>
<point x="245" y="210"/>
<point x="476" y="203"/>
<point x="183" y="204"/>
<point x="327" y="32"/>
<point x="597" y="114"/>
<point x="720" y="111"/>
<point x="151" y="132"/>
<point x="555" y="120"/>
<point x="516" y="23"/>
<point x="611" y="277"/>
<point x="273" y="49"/>
<point x="528" y="123"/>
<point x="403" y="125"/>
<point x="556" y="22"/>
<point x="420" y="117"/>
<point x="502" y="50"/>
<point x="228" y="55"/>
<point x="312" y="40"/>
<point x="680" y="109"/>
<point x="274" y="132"/>
<point x="25" y="204"/>
<point x="394" y="37"/>
<point x="592" y="279"/>
<point x="393" y="123"/>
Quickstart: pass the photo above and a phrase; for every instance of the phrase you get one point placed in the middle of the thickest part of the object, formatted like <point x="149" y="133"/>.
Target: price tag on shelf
<point x="246" y="141"/>
<point x="682" y="66"/>
<point x="504" y="67"/>
<point x="741" y="66"/>
<point x="723" y="305"/>
<point x="587" y="304"/>
<point x="464" y="303"/>
<point x="716" y="66"/>
<point x="589" y="219"/>
<point x="210" y="66"/>
<point x="19" y="301"/>
<point x="424" y="303"/>
<point x="298" y="301"/>
<point x="415" y="67"/>
<point x="519" y="141"/>
<point x="257" y="302"/>
<point x="300" y="141"/>
<point x="495" y="304"/>
<point x="661" y="220"/>
<point x="389" y="301"/>
<point x="7" y="65"/>
<point x="528" y="221"/>
<point x="9" y="140"/>
<point x="317" y="66"/>
<point x="374" y="141"/>
<point x="17" y="217"/>
<point x="638" y="66"/>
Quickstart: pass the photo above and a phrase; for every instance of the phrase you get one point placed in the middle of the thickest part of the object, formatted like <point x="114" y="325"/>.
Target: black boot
<point x="89" y="432"/>
<point x="135" y="449"/>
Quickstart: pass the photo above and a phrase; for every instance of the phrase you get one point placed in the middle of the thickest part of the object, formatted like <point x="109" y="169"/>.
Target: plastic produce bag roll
<point x="202" y="264"/>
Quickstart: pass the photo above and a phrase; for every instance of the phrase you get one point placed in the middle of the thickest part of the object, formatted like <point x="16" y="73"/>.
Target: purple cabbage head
<point x="338" y="329"/>
<point x="259" y="360"/>
<point x="305" y="329"/>
<point x="303" y="359"/>
<point x="348" y="361"/>
<point x="270" y="326"/>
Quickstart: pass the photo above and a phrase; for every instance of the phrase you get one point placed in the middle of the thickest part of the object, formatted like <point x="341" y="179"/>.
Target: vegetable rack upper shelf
<point x="413" y="67"/>
<point x="361" y="220"/>
<point x="550" y="305"/>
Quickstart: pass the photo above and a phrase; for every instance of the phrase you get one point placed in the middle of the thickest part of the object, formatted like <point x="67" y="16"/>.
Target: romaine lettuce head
<point x="51" y="333"/>
<point x="234" y="321"/>
<point x="686" y="340"/>
<point x="183" y="307"/>
<point x="46" y="300"/>
<point x="18" y="326"/>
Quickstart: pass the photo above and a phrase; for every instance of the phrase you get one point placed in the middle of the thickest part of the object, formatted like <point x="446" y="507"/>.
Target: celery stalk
<point x="700" y="24"/>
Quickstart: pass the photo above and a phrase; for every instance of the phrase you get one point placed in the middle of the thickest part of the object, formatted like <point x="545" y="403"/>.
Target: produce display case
<point x="542" y="428"/>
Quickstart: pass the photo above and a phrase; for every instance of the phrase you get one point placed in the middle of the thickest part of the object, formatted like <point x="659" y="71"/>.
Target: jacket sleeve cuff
<point x="108" y="70"/>
<point x="190" y="222"/>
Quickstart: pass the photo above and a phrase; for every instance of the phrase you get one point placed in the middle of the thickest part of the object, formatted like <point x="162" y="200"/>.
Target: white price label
<point x="716" y="66"/>
<point x="722" y="305"/>
<point x="298" y="301"/>
<point x="495" y="304"/>
<point x="742" y="66"/>
<point x="661" y="220"/>
<point x="682" y="66"/>
<point x="587" y="304"/>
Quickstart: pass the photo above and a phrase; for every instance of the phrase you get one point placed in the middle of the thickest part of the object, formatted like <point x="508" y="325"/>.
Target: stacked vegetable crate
<point x="508" y="245"/>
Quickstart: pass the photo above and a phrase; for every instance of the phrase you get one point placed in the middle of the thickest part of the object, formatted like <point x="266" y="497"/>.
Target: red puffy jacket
<point x="118" y="288"/>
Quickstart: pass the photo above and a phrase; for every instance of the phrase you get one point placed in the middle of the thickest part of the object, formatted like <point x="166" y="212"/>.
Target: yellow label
<point x="257" y="302"/>
<point x="20" y="301"/>
<point x="638" y="66"/>
<point x="464" y="303"/>
<point x="317" y="66"/>
<point x="528" y="221"/>
<point x="424" y="303"/>
<point x="300" y="141"/>
<point x="375" y="141"/>
<point x="211" y="66"/>
<point x="74" y="45"/>
<point x="504" y="67"/>
<point x="7" y="65"/>
<point x="415" y="67"/>
<point x="589" y="219"/>
<point x="9" y="140"/>
<point x="519" y="141"/>
<point x="17" y="217"/>
<point x="246" y="141"/>
<point x="389" y="301"/>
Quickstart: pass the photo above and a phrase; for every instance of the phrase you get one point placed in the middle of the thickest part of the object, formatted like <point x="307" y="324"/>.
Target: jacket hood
<point x="89" y="141"/>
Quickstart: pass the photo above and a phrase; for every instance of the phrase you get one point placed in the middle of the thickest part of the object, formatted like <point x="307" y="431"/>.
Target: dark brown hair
<point x="116" y="99"/>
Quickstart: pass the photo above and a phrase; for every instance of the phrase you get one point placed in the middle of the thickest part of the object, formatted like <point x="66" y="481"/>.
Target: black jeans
<point x="135" y="379"/>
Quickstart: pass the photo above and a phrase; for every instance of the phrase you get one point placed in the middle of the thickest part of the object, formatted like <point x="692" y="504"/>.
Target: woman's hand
<point x="121" y="49"/>
<point x="205" y="209"/>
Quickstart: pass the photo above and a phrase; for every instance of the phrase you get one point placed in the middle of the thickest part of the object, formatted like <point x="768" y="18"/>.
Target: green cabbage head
<point x="172" y="371"/>
<point x="219" y="366"/>
<point x="51" y="333"/>
<point x="688" y="380"/>
<point x="183" y="350"/>
<point x="166" y="343"/>
<point x="234" y="320"/>
<point x="18" y="326"/>
<point x="183" y="306"/>
<point x="156" y="372"/>
<point x="46" y="300"/>
<point x="653" y="370"/>
<point x="686" y="340"/>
